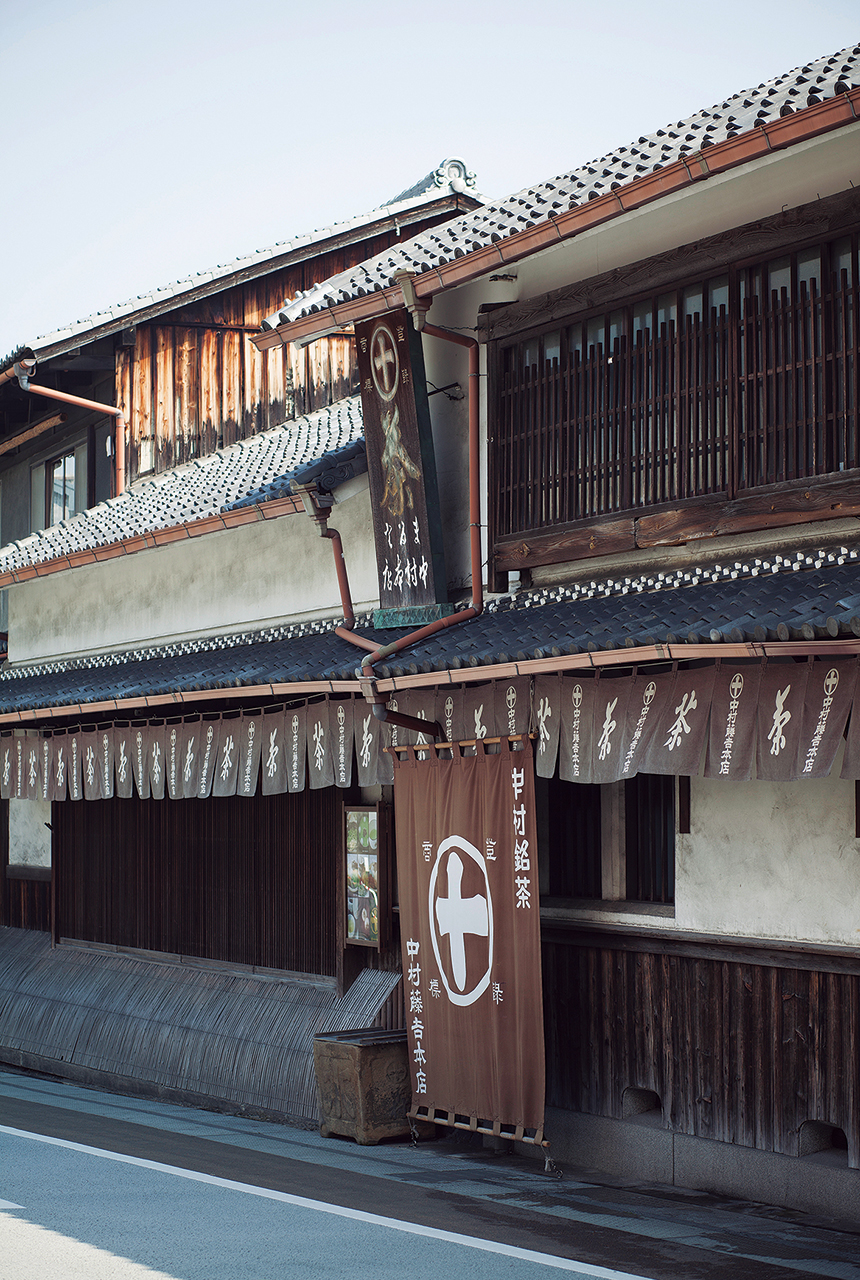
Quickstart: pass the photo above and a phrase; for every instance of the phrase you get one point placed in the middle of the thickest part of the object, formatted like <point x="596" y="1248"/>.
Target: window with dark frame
<point x="571" y="824"/>
<point x="649" y="802"/>
<point x="60" y="489"/>
<point x="573" y="830"/>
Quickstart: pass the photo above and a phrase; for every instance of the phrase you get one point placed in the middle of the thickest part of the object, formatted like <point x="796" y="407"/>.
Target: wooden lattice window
<point x="728" y="383"/>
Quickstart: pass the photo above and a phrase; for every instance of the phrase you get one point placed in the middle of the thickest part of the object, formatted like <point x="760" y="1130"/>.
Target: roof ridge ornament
<point x="452" y="175"/>
<point x="453" y="172"/>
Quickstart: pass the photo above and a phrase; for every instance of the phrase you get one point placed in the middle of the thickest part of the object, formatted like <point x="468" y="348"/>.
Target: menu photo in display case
<point x="365" y="875"/>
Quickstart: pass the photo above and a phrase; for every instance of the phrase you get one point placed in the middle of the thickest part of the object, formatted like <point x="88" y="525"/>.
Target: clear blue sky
<point x="146" y="142"/>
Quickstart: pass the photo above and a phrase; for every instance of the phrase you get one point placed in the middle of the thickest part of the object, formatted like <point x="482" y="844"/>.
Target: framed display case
<point x="366" y="874"/>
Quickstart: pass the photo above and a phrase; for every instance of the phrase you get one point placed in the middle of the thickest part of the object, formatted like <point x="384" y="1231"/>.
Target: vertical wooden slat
<point x="209" y="390"/>
<point x="196" y="877"/>
<point x="164" y="389"/>
<point x="231" y="386"/>
<point x="142" y="442"/>
<point x="124" y="377"/>
<point x="187" y="397"/>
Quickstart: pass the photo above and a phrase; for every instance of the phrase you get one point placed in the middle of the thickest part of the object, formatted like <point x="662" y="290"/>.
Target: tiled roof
<point x="787" y="597"/>
<point x="198" y="489"/>
<point x="802" y="87"/>
<point x="452" y="178"/>
<point x="329" y="471"/>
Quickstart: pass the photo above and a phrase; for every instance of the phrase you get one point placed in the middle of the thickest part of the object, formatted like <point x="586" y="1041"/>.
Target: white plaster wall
<point x="445" y="363"/>
<point x="236" y="580"/>
<point x="29" y="837"/>
<point x="771" y="860"/>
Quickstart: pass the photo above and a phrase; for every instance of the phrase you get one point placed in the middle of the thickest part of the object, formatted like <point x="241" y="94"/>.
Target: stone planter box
<point x="363" y="1084"/>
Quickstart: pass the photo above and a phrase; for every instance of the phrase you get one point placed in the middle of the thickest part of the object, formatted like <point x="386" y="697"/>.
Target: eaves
<point x="756" y="144"/>
<point x="606" y="660"/>
<point x="124" y="316"/>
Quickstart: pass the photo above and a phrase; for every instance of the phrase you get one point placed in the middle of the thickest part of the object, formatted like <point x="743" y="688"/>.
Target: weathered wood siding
<point x="26" y="903"/>
<point x="194" y="381"/>
<point x="250" y="881"/>
<point x="738" y="1051"/>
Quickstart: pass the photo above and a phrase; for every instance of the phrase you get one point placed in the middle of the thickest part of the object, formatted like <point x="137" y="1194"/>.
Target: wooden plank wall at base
<point x="26" y="904"/>
<point x="252" y="881"/>
<point x="738" y="1051"/>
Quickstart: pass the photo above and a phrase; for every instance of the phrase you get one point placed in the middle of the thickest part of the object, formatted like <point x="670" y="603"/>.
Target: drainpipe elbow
<point x="24" y="370"/>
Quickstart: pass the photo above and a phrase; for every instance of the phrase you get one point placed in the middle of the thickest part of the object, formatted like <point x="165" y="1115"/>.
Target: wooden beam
<point x="696" y="520"/>
<point x="37" y="429"/>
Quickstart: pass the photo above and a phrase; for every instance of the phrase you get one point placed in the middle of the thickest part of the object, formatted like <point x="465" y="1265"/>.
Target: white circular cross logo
<point x="576" y="696"/>
<point x="737" y="685"/>
<point x="831" y="680"/>
<point x="384" y="362"/>
<point x="511" y="697"/>
<point x="456" y="913"/>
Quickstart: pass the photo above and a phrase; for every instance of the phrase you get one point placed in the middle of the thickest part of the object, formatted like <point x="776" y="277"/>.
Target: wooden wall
<point x="194" y="381"/>
<point x="26" y="902"/>
<point x="249" y="881"/>
<point x="740" y="1051"/>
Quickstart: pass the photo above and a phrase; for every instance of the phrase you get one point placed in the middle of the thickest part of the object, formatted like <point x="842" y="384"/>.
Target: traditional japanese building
<point x="130" y="443"/>
<point x="664" y="421"/>
<point x="602" y="539"/>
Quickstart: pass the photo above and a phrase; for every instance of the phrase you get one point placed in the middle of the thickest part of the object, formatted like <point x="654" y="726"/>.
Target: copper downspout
<point x="308" y="495"/>
<point x="365" y="671"/>
<point x="23" y="372"/>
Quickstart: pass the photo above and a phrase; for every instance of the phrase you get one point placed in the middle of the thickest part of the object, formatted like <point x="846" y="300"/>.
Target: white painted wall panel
<point x="237" y="580"/>
<point x="29" y="837"/>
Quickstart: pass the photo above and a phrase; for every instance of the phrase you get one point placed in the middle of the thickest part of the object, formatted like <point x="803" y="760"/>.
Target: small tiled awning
<point x="793" y="604"/>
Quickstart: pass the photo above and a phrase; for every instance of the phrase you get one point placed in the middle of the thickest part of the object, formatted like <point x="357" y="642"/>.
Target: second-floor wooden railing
<point x="737" y="397"/>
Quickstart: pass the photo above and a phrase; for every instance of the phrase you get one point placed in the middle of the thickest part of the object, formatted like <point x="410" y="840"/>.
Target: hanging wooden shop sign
<point x="401" y="467"/>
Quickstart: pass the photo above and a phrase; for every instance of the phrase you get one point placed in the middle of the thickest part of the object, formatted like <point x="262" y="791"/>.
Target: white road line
<point x="320" y="1206"/>
<point x="7" y="1204"/>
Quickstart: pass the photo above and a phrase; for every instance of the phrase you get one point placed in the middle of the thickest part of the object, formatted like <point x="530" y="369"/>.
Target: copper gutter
<point x="613" y="658"/>
<point x="786" y="131"/>
<point x="162" y="702"/>
<point x="24" y="370"/>
<point x="156" y="538"/>
<point x="596" y="661"/>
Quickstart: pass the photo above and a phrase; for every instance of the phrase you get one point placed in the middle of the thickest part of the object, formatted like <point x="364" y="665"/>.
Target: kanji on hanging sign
<point x="400" y="462"/>
<point x="469" y="916"/>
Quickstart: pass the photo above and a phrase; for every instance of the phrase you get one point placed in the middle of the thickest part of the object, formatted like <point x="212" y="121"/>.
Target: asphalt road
<point x="103" y="1187"/>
